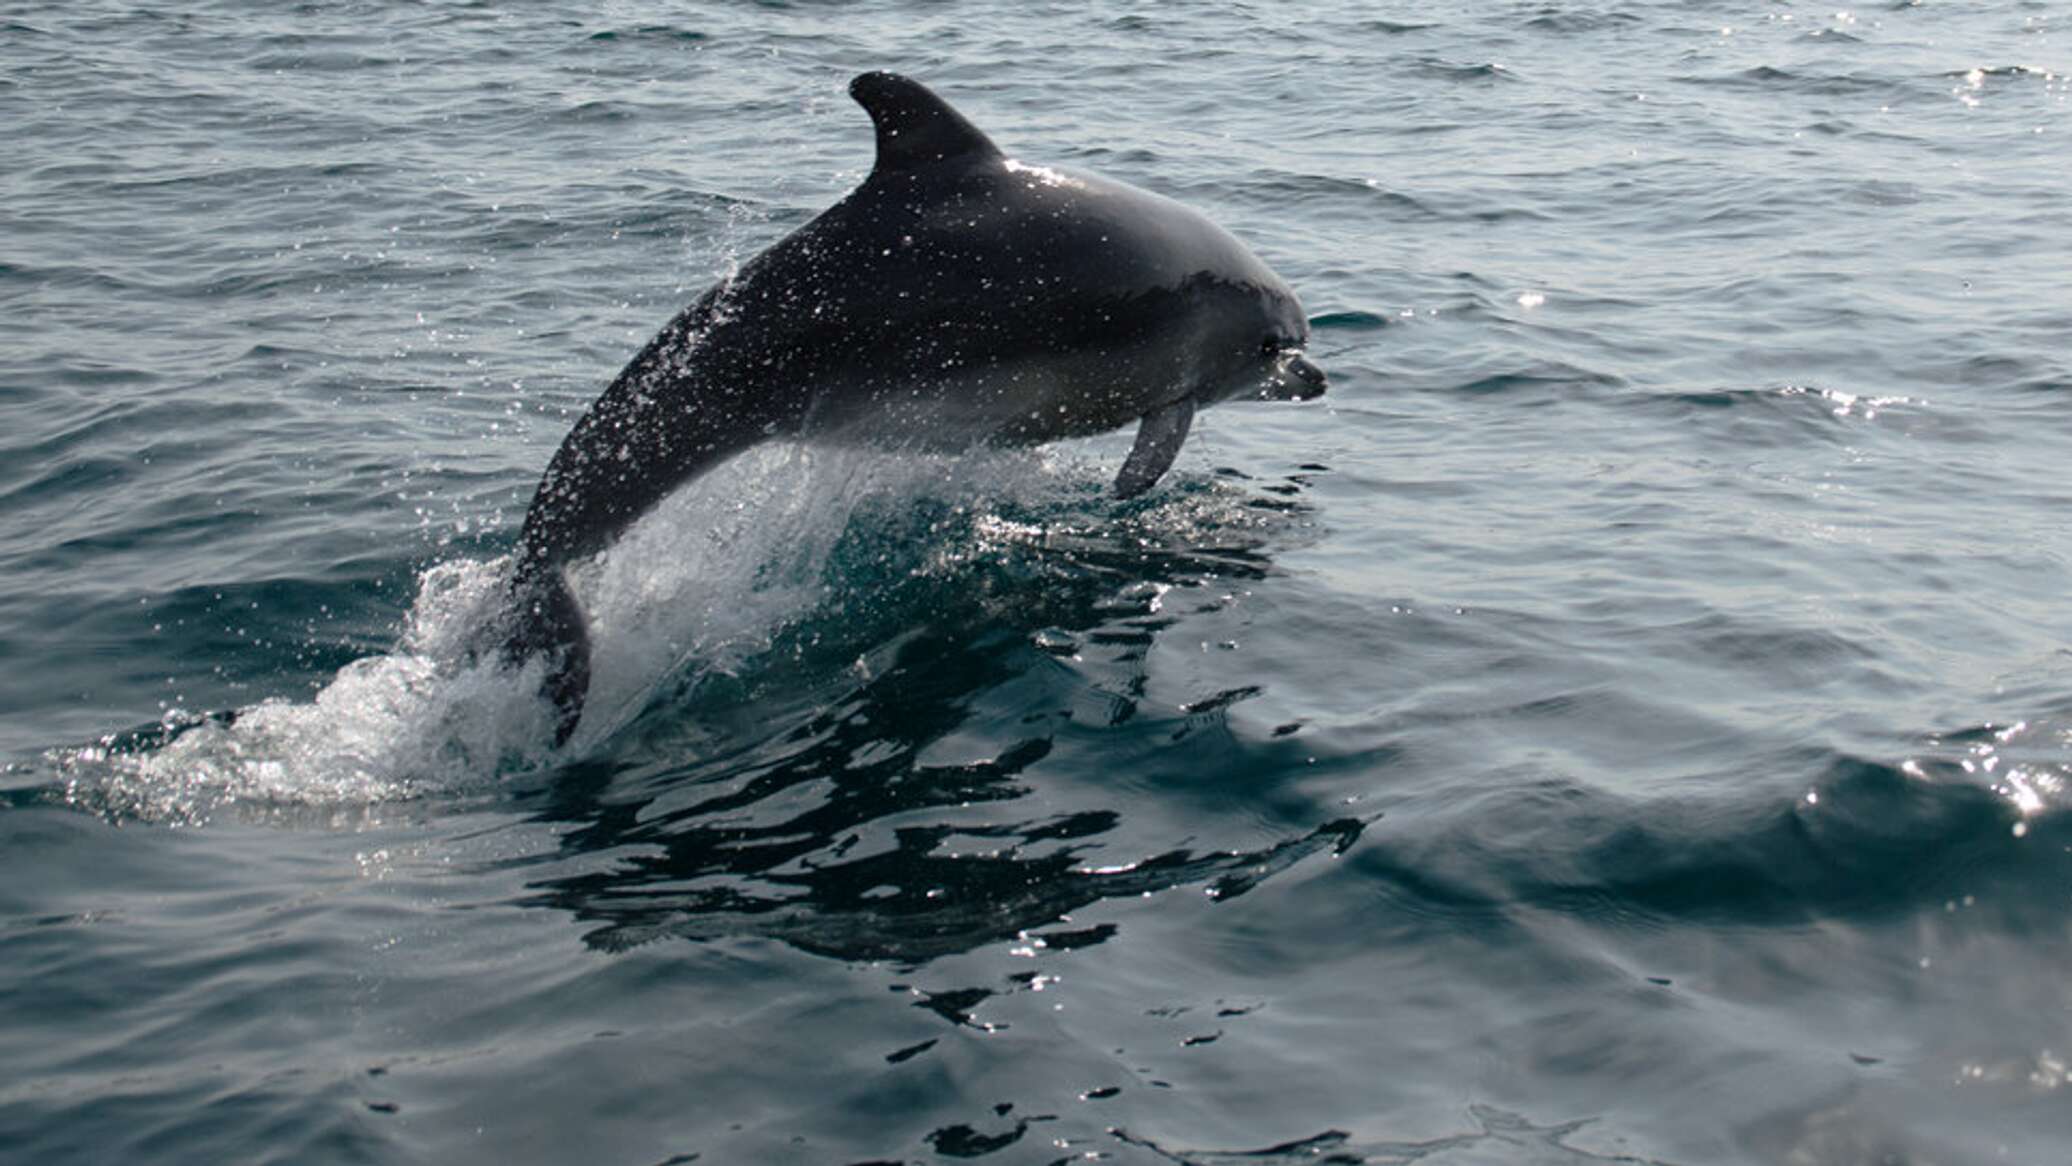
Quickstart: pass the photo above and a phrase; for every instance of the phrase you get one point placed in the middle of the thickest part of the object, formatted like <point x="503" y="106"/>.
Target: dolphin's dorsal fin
<point x="915" y="127"/>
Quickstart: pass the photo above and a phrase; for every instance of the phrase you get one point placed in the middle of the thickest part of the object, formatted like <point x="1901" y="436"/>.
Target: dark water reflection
<point x="839" y="835"/>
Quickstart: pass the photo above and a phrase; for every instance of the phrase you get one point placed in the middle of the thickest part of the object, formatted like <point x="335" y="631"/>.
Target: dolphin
<point x="957" y="298"/>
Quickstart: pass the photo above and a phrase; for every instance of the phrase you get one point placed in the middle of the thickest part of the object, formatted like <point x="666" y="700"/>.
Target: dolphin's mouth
<point x="1295" y="378"/>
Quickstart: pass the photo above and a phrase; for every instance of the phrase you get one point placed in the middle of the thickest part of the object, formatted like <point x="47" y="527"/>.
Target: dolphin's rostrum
<point x="956" y="298"/>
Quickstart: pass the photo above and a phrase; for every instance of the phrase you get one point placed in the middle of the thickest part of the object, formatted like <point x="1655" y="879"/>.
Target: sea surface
<point x="1628" y="720"/>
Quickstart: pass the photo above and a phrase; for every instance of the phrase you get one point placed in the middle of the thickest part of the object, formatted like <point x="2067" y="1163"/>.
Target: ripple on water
<point x="1633" y="696"/>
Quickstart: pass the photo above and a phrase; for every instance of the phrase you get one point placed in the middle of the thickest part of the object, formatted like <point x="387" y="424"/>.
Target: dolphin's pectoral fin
<point x="551" y="624"/>
<point x="1159" y="436"/>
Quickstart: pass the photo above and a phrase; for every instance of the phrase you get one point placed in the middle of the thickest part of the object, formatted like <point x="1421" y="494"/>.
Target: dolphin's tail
<point x="548" y="622"/>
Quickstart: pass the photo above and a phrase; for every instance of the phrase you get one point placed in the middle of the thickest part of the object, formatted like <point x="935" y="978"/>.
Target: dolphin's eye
<point x="1271" y="346"/>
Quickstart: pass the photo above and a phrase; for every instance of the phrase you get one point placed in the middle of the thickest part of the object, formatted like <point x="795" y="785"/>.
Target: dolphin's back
<point x="954" y="286"/>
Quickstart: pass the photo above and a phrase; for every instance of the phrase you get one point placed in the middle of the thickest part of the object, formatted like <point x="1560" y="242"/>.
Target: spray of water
<point x="697" y="587"/>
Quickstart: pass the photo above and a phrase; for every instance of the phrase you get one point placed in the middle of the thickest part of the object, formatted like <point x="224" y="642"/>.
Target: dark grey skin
<point x="957" y="298"/>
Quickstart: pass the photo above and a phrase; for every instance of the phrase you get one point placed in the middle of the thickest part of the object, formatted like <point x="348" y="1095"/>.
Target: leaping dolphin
<point x="956" y="298"/>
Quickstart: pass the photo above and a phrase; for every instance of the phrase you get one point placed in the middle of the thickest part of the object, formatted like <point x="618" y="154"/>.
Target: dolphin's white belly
<point x="1060" y="395"/>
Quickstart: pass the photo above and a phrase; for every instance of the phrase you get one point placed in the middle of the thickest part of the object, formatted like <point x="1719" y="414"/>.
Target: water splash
<point x="854" y="543"/>
<point x="386" y="728"/>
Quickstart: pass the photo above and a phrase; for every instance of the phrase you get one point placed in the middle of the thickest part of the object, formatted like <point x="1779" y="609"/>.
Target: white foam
<point x="704" y="582"/>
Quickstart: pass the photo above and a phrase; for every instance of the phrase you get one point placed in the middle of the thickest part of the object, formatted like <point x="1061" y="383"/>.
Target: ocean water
<point x="1628" y="720"/>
